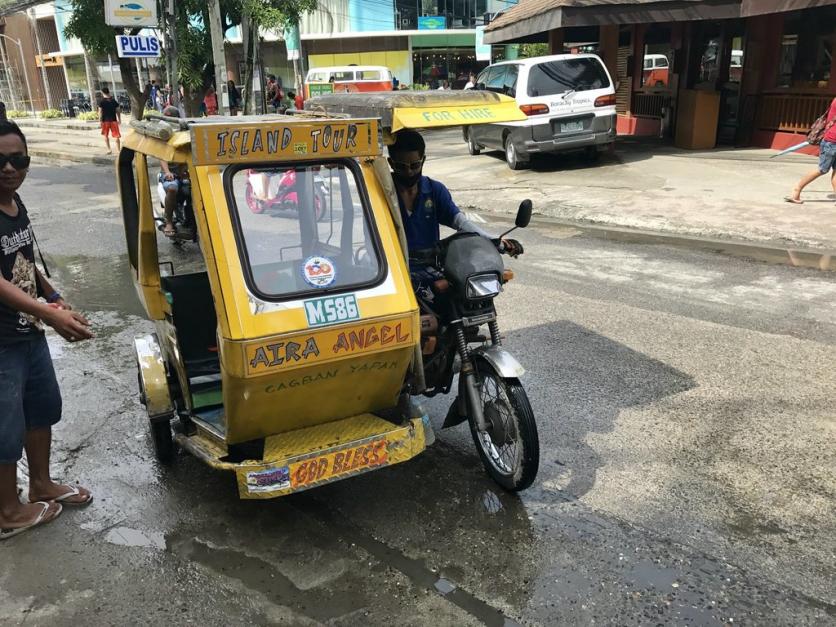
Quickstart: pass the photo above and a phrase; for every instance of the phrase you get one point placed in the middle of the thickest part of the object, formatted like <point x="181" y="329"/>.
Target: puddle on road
<point x="262" y="576"/>
<point x="96" y="283"/>
<point x="125" y="536"/>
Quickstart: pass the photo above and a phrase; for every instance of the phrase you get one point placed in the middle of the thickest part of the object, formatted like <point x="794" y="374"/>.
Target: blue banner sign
<point x="432" y="22"/>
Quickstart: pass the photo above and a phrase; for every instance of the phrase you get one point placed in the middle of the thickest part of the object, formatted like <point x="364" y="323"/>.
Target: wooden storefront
<point x="750" y="72"/>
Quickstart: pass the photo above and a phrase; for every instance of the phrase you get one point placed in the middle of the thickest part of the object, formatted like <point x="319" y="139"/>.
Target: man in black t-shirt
<point x="30" y="401"/>
<point x="110" y="116"/>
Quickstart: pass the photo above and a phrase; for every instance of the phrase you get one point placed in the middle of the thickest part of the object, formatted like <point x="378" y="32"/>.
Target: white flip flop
<point x="5" y="534"/>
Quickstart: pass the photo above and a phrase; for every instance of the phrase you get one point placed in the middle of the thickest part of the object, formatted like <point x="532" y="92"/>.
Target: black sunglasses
<point x="19" y="162"/>
<point x="402" y="166"/>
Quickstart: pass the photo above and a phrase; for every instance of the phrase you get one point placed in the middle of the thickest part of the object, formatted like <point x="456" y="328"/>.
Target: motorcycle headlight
<point x="483" y="286"/>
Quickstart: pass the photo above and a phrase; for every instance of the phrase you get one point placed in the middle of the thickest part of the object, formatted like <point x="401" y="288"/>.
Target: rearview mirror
<point x="524" y="214"/>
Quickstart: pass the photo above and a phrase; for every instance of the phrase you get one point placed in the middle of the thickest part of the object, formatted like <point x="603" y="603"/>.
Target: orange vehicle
<point x="347" y="78"/>
<point x="655" y="70"/>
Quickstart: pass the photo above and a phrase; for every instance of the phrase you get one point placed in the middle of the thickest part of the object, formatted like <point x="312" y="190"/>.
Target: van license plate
<point x="569" y="127"/>
<point x="331" y="310"/>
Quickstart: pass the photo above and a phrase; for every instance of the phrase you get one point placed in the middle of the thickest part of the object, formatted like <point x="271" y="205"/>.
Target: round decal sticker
<point x="319" y="271"/>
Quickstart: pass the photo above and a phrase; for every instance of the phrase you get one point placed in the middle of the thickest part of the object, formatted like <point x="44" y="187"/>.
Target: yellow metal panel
<point x="149" y="359"/>
<point x="287" y="352"/>
<point x="287" y="400"/>
<point x="294" y="140"/>
<point x="434" y="117"/>
<point x="175" y="149"/>
<point x="148" y="279"/>
<point x="318" y="455"/>
<point x="239" y="322"/>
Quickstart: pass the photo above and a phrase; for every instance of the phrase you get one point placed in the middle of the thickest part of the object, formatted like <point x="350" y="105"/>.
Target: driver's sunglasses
<point x="19" y="162"/>
<point x="407" y="167"/>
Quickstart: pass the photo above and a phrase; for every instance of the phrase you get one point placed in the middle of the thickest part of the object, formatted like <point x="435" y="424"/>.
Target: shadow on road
<point x="579" y="384"/>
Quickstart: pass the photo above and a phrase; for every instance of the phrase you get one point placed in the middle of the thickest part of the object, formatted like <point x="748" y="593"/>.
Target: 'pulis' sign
<point x="137" y="46"/>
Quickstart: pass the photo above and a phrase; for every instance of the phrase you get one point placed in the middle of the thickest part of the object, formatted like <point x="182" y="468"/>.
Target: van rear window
<point x="556" y="77"/>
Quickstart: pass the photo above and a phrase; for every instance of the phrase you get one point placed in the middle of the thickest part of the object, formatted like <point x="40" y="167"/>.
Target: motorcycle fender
<point x="503" y="362"/>
<point x="505" y="365"/>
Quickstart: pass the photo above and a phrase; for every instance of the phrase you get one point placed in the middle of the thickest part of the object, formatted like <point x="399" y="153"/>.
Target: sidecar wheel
<point x="510" y="449"/>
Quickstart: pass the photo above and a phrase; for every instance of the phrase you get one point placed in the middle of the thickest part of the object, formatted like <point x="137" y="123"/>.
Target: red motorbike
<point x="281" y="193"/>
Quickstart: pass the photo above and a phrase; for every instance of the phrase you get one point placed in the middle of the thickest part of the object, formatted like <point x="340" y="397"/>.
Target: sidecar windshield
<point x="304" y="228"/>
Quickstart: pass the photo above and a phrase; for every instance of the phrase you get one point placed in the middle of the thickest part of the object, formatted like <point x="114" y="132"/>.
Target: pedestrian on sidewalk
<point x="110" y="116"/>
<point x="827" y="158"/>
<point x="30" y="400"/>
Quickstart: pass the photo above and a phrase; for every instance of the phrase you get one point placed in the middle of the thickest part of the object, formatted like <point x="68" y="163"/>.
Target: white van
<point x="569" y="100"/>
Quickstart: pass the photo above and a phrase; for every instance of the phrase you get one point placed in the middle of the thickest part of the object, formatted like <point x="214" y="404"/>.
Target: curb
<point x="823" y="259"/>
<point x="73" y="126"/>
<point x="69" y="158"/>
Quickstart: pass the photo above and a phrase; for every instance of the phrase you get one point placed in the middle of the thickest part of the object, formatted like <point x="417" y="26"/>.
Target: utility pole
<point x="171" y="29"/>
<point x="217" y="33"/>
<point x="47" y="91"/>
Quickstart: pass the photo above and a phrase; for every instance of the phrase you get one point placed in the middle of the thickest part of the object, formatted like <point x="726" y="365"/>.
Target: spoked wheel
<point x="510" y="448"/>
<point x="255" y="205"/>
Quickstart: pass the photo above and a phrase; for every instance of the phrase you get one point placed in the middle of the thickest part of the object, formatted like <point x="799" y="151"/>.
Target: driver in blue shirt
<point x="425" y="204"/>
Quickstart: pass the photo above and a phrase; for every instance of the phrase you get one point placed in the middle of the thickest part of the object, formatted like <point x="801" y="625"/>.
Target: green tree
<point x="533" y="50"/>
<point x="87" y="25"/>
<point x="278" y="15"/>
<point x="193" y="38"/>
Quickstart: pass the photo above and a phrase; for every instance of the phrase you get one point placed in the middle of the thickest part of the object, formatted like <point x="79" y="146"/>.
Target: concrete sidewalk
<point x="68" y="140"/>
<point x="724" y="194"/>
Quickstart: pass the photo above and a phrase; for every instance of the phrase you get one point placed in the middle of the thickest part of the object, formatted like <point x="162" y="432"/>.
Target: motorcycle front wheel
<point x="510" y="448"/>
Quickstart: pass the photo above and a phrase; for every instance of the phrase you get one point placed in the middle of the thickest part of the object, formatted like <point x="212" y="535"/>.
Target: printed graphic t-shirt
<point x="109" y="107"/>
<point x="17" y="263"/>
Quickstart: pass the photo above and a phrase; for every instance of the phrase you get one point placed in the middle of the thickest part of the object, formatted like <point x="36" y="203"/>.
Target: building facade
<point x="750" y="72"/>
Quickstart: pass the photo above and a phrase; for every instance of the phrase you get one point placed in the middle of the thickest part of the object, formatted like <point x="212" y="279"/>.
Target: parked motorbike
<point x="490" y="395"/>
<point x="282" y="193"/>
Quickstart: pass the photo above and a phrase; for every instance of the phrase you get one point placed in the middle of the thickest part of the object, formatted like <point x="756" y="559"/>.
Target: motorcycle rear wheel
<point x="510" y="449"/>
<point x="255" y="205"/>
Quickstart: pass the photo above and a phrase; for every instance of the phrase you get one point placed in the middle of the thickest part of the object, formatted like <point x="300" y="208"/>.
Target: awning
<point x="14" y="6"/>
<point x="761" y="7"/>
<point x="531" y="17"/>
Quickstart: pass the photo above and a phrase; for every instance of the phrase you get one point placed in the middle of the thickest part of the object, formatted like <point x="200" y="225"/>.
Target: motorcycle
<point x="281" y="193"/>
<point x="490" y="395"/>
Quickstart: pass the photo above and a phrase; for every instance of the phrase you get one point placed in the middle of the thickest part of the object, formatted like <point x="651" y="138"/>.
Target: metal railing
<point x="649" y="105"/>
<point x="793" y="113"/>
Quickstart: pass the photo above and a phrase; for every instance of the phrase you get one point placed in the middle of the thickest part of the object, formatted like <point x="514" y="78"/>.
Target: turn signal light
<point x="605" y="101"/>
<point x="534" y="109"/>
<point x="507" y="275"/>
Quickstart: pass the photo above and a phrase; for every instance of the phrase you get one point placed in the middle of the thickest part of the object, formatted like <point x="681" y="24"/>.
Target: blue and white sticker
<point x="319" y="271"/>
<point x="269" y="480"/>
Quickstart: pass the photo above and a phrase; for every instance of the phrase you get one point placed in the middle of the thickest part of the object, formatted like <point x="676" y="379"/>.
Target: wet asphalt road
<point x="685" y="407"/>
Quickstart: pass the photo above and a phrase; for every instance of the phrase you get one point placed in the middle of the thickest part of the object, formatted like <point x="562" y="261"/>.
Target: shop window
<point x="806" y="53"/>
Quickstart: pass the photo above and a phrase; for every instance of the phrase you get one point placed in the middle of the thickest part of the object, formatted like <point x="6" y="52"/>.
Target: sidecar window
<point x="303" y="229"/>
